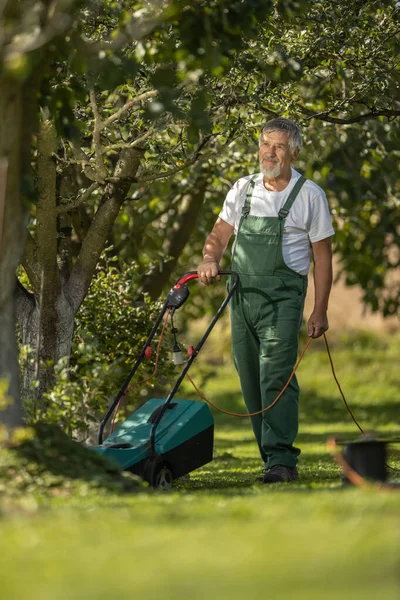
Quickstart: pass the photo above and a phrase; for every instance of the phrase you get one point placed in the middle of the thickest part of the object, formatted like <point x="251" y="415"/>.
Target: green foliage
<point x="367" y="211"/>
<point x="364" y="339"/>
<point x="111" y="329"/>
<point x="184" y="43"/>
<point x="246" y="62"/>
<point x="4" y="399"/>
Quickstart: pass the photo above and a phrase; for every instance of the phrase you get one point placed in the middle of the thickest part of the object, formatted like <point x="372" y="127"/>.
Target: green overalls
<point x="266" y="314"/>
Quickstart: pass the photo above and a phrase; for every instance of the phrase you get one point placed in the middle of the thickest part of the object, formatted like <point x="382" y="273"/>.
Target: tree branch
<point x="93" y="244"/>
<point x="82" y="159"/>
<point x="117" y="115"/>
<point x="190" y="161"/>
<point x="98" y="126"/>
<point x="136" y="142"/>
<point x="373" y="114"/>
<point x="68" y="161"/>
<point x="59" y="22"/>
<point x="63" y="208"/>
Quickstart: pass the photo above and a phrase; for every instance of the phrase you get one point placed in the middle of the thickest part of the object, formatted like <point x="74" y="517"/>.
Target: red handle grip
<point x="193" y="275"/>
<point x="188" y="277"/>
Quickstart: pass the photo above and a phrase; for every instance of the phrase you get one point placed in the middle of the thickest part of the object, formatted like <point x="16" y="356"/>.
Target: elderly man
<point x="279" y="219"/>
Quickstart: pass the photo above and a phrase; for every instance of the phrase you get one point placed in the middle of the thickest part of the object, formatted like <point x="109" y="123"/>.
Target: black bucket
<point x="368" y="458"/>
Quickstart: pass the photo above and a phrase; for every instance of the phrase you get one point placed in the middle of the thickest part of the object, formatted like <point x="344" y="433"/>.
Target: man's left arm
<point x="322" y="258"/>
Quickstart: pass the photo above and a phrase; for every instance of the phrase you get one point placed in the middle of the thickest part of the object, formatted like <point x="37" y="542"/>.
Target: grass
<point x="219" y="535"/>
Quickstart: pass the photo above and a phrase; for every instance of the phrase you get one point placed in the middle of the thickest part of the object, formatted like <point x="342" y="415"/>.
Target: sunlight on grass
<point x="220" y="535"/>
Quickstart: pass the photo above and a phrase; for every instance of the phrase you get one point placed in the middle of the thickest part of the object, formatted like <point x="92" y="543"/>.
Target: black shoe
<point x="279" y="474"/>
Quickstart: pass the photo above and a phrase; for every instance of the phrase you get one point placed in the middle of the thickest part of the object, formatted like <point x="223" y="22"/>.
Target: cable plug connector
<point x="177" y="355"/>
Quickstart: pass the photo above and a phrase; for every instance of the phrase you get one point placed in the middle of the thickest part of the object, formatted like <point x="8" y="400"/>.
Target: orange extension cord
<point x="227" y="412"/>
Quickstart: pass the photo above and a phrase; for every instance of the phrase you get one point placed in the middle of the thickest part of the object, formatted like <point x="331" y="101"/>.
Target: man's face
<point x="275" y="155"/>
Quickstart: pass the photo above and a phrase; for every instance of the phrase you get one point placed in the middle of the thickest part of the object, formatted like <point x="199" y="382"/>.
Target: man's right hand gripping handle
<point x="208" y="271"/>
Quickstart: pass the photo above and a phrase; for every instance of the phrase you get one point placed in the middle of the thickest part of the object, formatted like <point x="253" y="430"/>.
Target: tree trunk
<point x="47" y="320"/>
<point x="114" y="195"/>
<point x="34" y="327"/>
<point x="11" y="234"/>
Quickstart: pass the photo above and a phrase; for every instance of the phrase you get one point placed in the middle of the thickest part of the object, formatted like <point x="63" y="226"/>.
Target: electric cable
<point x="310" y="339"/>
<point x="338" y="384"/>
<point x="135" y="383"/>
<point x="259" y="412"/>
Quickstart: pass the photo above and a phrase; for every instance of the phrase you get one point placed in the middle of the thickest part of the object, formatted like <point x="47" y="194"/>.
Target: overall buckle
<point x="283" y="213"/>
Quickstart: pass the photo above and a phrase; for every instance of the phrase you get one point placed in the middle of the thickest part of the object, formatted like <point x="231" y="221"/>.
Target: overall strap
<point x="249" y="192"/>
<point x="283" y="213"/>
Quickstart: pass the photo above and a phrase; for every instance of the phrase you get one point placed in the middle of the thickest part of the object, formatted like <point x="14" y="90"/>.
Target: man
<point x="278" y="217"/>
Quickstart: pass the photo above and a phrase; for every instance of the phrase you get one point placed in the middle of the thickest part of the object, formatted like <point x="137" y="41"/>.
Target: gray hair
<point x="287" y="126"/>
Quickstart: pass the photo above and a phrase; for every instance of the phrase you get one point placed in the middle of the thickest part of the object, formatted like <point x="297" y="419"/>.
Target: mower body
<point x="184" y="438"/>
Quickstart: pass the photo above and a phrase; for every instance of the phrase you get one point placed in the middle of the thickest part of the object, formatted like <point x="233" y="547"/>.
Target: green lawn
<point x="219" y="535"/>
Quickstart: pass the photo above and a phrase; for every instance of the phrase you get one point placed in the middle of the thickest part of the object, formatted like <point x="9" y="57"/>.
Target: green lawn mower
<point x="165" y="438"/>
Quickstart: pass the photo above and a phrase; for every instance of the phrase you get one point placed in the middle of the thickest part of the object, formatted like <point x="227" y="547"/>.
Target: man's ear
<point x="295" y="154"/>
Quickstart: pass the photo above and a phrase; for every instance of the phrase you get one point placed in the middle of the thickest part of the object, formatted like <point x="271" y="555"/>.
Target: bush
<point x="110" y="331"/>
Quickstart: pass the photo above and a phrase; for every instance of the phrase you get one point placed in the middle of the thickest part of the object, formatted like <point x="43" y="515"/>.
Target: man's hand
<point x="207" y="272"/>
<point x="317" y="323"/>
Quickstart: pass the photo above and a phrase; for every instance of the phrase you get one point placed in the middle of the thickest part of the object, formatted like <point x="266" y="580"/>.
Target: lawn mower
<point x="165" y="439"/>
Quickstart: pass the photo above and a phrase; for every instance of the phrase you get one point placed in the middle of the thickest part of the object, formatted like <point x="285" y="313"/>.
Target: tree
<point x="23" y="62"/>
<point x="55" y="34"/>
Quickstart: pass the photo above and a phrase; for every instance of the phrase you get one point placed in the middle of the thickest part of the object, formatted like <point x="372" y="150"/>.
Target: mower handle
<point x="174" y="300"/>
<point x="193" y="275"/>
<point x="181" y="282"/>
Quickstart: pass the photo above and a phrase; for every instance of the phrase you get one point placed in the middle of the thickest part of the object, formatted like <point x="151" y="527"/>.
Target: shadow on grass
<point x="230" y="484"/>
<point x="312" y="407"/>
<point x="228" y="476"/>
<point x="316" y="409"/>
<point x="222" y="444"/>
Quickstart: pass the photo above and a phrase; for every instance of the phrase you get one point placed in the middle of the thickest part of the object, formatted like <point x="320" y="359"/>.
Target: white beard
<point x="270" y="173"/>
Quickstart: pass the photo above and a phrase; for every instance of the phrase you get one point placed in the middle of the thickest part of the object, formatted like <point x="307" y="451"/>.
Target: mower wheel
<point x="164" y="479"/>
<point x="158" y="473"/>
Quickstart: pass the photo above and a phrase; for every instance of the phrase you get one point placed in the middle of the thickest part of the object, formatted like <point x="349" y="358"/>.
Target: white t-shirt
<point x="308" y="221"/>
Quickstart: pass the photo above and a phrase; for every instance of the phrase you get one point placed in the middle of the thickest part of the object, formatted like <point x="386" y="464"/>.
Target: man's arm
<point x="213" y="250"/>
<point x="322" y="257"/>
